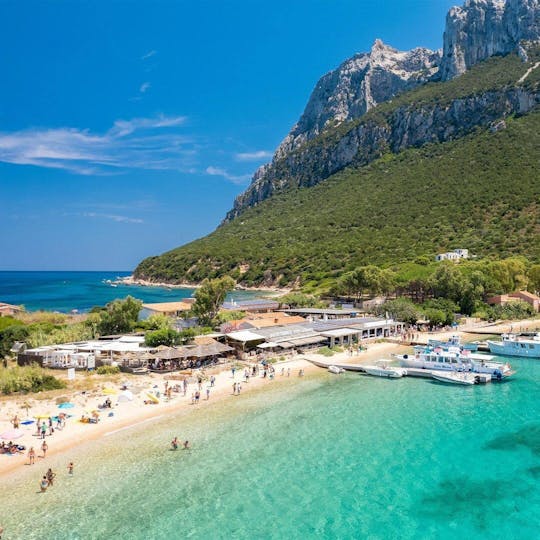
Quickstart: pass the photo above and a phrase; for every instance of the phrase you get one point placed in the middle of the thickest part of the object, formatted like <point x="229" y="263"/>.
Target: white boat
<point x="513" y="345"/>
<point x="455" y="360"/>
<point x="456" y="377"/>
<point x="384" y="370"/>
<point x="336" y="370"/>
<point x="453" y="341"/>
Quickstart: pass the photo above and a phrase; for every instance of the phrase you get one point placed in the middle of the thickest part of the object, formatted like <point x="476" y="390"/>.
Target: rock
<point x="483" y="28"/>
<point x="497" y="126"/>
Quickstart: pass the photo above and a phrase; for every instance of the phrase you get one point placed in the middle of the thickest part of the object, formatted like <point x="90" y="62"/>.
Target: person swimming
<point x="174" y="443"/>
<point x="186" y="445"/>
<point x="44" y="484"/>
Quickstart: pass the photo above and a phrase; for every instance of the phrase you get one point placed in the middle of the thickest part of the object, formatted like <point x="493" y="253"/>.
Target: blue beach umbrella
<point x="66" y="405"/>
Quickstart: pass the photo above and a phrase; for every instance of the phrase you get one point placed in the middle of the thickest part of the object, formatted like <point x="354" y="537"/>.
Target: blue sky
<point x="127" y="128"/>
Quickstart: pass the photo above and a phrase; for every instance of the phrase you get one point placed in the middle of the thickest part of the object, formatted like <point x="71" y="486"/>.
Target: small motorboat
<point x="456" y="377"/>
<point x="382" y="369"/>
<point x="336" y="370"/>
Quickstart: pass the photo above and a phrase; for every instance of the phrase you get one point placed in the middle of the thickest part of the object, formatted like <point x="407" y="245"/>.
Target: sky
<point x="127" y="128"/>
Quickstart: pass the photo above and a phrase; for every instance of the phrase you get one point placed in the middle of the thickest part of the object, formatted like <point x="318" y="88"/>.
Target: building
<point x="524" y="296"/>
<point x="261" y="320"/>
<point x="260" y="305"/>
<point x="454" y="255"/>
<point x="9" y="310"/>
<point x="169" y="309"/>
<point x="325" y="314"/>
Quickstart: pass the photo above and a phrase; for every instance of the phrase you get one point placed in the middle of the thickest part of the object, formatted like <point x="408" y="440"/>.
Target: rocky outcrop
<point x="478" y="30"/>
<point x="357" y="85"/>
<point x="405" y="127"/>
<point x="483" y="28"/>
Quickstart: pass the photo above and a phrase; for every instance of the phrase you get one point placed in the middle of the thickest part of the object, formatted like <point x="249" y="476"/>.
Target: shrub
<point x="107" y="370"/>
<point x="28" y="379"/>
<point x="326" y="351"/>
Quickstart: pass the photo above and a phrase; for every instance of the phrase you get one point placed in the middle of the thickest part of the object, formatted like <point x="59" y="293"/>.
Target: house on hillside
<point x="454" y="255"/>
<point x="525" y="296"/>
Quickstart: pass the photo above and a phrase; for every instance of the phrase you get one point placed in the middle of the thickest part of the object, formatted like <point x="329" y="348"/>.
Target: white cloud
<point x="235" y="179"/>
<point x="113" y="217"/>
<point x="253" y="156"/>
<point x="144" y="87"/>
<point x="148" y="55"/>
<point x="139" y="143"/>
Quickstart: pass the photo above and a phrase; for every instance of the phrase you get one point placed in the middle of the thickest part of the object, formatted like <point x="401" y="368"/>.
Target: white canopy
<point x="245" y="335"/>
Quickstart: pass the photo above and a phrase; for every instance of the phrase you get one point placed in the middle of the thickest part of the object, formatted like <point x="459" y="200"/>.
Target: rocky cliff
<point x="483" y="28"/>
<point x="478" y="30"/>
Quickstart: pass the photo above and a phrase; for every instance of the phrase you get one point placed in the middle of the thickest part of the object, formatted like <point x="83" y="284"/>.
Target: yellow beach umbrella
<point x="42" y="416"/>
<point x="109" y="391"/>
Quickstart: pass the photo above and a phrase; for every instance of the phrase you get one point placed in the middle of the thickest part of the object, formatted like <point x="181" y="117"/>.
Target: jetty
<point x="482" y="378"/>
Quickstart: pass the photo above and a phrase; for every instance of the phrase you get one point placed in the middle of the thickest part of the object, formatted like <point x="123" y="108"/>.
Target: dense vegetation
<point x="27" y="379"/>
<point x="480" y="192"/>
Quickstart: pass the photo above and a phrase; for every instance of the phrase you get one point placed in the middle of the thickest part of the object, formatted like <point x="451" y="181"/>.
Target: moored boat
<point x="453" y="341"/>
<point x="513" y="345"/>
<point x="455" y="360"/>
<point x="336" y="370"/>
<point x="383" y="370"/>
<point x="462" y="378"/>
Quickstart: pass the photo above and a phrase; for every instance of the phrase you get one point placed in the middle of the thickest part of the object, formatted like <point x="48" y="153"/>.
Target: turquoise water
<point x="66" y="291"/>
<point x="324" y="457"/>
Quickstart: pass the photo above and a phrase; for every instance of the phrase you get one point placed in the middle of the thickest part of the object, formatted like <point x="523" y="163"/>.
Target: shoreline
<point x="134" y="414"/>
<point x="132" y="281"/>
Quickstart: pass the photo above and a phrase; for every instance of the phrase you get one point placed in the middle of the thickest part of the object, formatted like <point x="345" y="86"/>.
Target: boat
<point x="455" y="359"/>
<point x="456" y="377"/>
<point x="383" y="370"/>
<point x="513" y="345"/>
<point x="336" y="370"/>
<point x="453" y="341"/>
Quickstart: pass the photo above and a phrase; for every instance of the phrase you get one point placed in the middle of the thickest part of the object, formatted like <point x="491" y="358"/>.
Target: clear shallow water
<point x="66" y="291"/>
<point x="327" y="457"/>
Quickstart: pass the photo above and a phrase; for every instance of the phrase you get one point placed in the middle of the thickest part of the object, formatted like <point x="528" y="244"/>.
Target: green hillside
<point x="480" y="192"/>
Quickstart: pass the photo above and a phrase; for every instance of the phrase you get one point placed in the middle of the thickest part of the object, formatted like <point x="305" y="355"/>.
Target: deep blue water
<point x="67" y="291"/>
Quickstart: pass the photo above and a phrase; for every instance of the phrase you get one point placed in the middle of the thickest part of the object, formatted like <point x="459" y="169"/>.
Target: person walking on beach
<point x="185" y="383"/>
<point x="212" y="381"/>
<point x="238" y="389"/>
<point x="43" y="430"/>
<point x="197" y="396"/>
<point x="282" y="371"/>
<point x="44" y="484"/>
<point x="31" y="456"/>
<point x="288" y="372"/>
<point x="50" y="477"/>
<point x="70" y="468"/>
<point x="15" y="422"/>
<point x="207" y="393"/>
<point x="234" y="389"/>
<point x="44" y="448"/>
<point x="233" y="371"/>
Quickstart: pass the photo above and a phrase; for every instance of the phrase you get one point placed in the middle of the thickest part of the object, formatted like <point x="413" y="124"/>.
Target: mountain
<point x="382" y="131"/>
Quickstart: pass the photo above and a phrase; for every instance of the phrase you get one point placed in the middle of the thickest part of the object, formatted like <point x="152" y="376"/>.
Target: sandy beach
<point x="133" y="413"/>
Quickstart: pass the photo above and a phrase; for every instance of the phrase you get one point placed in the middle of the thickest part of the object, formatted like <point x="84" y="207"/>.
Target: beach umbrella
<point x="66" y="405"/>
<point x="109" y="391"/>
<point x="11" y="434"/>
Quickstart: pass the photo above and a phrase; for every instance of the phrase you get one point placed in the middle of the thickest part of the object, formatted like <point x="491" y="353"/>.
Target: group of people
<point x="175" y="444"/>
<point x="47" y="480"/>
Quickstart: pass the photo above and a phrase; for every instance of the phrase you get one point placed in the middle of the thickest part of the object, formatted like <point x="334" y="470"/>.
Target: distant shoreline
<point x="132" y="281"/>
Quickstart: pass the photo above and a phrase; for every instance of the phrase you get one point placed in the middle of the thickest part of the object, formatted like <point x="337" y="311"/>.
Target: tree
<point x="299" y="300"/>
<point x="447" y="282"/>
<point x="163" y="336"/>
<point x="158" y="321"/>
<point x="209" y="297"/>
<point x="400" y="309"/>
<point x="120" y="316"/>
<point x="534" y="278"/>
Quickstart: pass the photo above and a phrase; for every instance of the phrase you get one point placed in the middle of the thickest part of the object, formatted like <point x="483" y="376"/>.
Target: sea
<point x="323" y="457"/>
<point x="80" y="291"/>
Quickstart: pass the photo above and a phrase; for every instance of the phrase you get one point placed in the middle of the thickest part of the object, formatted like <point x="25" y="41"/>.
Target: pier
<point x="482" y="378"/>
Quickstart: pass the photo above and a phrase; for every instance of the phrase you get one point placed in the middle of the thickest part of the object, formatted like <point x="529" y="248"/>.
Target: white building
<point x="453" y="255"/>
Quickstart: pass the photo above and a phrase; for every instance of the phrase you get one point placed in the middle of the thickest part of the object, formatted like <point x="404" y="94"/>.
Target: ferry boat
<point x="513" y="345"/>
<point x="455" y="360"/>
<point x="453" y="341"/>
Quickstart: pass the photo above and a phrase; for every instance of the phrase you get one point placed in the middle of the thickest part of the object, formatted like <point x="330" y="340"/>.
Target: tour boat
<point x="512" y="345"/>
<point x="456" y="377"/>
<point x="455" y="359"/>
<point x="383" y="370"/>
<point x="453" y="341"/>
<point x="336" y="370"/>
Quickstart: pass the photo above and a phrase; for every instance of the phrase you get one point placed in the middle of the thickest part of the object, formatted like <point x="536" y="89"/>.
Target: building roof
<point x="166" y="307"/>
<point x="340" y="332"/>
<point x="315" y="311"/>
<point x="525" y="294"/>
<point x="247" y="305"/>
<point x="265" y="320"/>
<point x="244" y="336"/>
